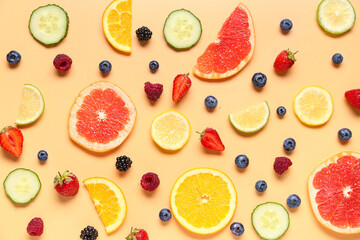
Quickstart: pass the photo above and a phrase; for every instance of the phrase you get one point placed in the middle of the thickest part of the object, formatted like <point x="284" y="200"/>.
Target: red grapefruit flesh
<point x="232" y="49"/>
<point x="101" y="117"/>
<point x="334" y="190"/>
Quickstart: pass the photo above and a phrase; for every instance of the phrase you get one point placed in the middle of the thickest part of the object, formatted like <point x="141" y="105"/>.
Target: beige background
<point x="87" y="46"/>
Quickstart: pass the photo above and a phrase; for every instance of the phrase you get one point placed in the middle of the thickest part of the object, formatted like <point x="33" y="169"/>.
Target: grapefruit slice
<point x="101" y="117"/>
<point x="334" y="191"/>
<point x="232" y="49"/>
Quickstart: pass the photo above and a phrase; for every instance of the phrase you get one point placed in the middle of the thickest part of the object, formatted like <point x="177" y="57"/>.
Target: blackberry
<point x="143" y="34"/>
<point x="89" y="233"/>
<point x="123" y="163"/>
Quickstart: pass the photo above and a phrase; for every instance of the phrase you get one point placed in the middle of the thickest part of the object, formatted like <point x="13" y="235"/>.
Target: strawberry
<point x="284" y="60"/>
<point x="66" y="184"/>
<point x="137" y="234"/>
<point x="353" y="97"/>
<point x="11" y="140"/>
<point x="210" y="139"/>
<point x="181" y="85"/>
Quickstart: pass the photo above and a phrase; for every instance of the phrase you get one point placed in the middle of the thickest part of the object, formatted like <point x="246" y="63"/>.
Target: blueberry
<point x="42" y="155"/>
<point x="337" y="58"/>
<point x="261" y="186"/>
<point x="259" y="80"/>
<point x="211" y="102"/>
<point x="344" y="134"/>
<point x="105" y="66"/>
<point x="153" y="65"/>
<point x="13" y="57"/>
<point x="289" y="144"/>
<point x="242" y="161"/>
<point x="293" y="201"/>
<point x="281" y="111"/>
<point x="237" y="228"/>
<point x="286" y="25"/>
<point x="165" y="215"/>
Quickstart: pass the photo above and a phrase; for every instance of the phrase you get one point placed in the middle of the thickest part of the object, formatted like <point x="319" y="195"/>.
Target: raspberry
<point x="153" y="91"/>
<point x="35" y="227"/>
<point x="281" y="164"/>
<point x="62" y="62"/>
<point x="150" y="181"/>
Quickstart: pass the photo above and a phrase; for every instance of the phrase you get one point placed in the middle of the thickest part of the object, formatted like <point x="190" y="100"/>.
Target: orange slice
<point x="109" y="201"/>
<point x="334" y="193"/>
<point x="117" y="24"/>
<point x="203" y="200"/>
<point x="232" y="49"/>
<point x="101" y="117"/>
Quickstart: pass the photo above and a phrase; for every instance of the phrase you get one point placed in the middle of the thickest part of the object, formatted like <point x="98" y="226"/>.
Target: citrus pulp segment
<point x="109" y="201"/>
<point x="336" y="16"/>
<point x="251" y="119"/>
<point x="232" y="49"/>
<point x="32" y="105"/>
<point x="170" y="130"/>
<point x="203" y="200"/>
<point x="101" y="117"/>
<point x="117" y="24"/>
<point x="334" y="192"/>
<point x="313" y="105"/>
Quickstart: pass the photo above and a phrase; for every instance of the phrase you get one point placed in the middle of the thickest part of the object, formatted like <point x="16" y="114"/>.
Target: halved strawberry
<point x="11" y="140"/>
<point x="181" y="85"/>
<point x="210" y="139"/>
<point x="353" y="97"/>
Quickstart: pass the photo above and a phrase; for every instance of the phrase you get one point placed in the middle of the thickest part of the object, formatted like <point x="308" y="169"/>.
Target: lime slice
<point x="251" y="119"/>
<point x="336" y="16"/>
<point x="32" y="105"/>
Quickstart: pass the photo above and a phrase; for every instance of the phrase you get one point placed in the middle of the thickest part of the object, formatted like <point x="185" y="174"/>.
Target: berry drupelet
<point x="123" y="163"/>
<point x="62" y="62"/>
<point x="281" y="164"/>
<point x="143" y="34"/>
<point x="89" y="233"/>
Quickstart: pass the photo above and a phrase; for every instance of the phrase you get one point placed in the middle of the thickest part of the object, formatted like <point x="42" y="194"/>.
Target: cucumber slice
<point x="182" y="29"/>
<point x="49" y="24"/>
<point x="270" y="220"/>
<point x="22" y="185"/>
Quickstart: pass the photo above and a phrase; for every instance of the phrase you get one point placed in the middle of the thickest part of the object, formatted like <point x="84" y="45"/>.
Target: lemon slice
<point x="203" y="200"/>
<point x="313" y="105"/>
<point x="117" y="24"/>
<point x="251" y="119"/>
<point x="32" y="105"/>
<point x="109" y="201"/>
<point x="336" y="16"/>
<point x="170" y="130"/>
